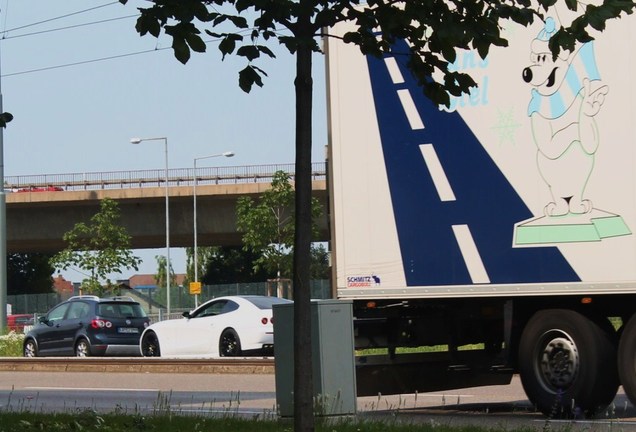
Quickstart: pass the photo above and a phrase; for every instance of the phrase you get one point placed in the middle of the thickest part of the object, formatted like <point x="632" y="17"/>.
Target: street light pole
<point x="168" y="263"/>
<point x="194" y="193"/>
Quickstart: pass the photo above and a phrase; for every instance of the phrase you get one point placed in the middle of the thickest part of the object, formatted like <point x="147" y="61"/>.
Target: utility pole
<point x="3" y="232"/>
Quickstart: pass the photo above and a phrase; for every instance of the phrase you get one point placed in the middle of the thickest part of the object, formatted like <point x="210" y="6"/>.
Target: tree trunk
<point x="303" y="379"/>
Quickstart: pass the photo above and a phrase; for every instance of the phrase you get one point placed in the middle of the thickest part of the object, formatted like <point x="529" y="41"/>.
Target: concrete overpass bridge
<point x="41" y="208"/>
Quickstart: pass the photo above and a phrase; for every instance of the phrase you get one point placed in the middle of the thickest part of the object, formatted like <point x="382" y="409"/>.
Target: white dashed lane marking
<point x="438" y="175"/>
<point x="471" y="255"/>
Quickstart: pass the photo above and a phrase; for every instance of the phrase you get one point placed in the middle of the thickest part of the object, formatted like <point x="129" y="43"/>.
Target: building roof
<point x="148" y="280"/>
<point x="61" y="285"/>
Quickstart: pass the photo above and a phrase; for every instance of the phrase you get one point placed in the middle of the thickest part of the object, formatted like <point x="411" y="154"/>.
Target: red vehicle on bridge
<point x="41" y="189"/>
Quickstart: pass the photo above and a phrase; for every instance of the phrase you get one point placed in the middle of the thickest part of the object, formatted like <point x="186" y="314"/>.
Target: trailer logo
<point x="566" y="95"/>
<point x="362" y="281"/>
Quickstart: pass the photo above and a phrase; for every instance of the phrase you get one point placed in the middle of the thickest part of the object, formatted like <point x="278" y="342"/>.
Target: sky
<point x="81" y="82"/>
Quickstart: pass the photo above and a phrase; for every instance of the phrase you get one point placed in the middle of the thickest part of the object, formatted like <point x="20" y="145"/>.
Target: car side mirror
<point x="43" y="320"/>
<point x="186" y="314"/>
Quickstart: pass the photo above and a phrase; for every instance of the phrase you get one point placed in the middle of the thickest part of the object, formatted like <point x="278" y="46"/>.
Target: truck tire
<point x="627" y="359"/>
<point x="567" y="364"/>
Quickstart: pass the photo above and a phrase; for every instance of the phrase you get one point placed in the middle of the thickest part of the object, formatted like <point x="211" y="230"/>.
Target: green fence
<point x="33" y="303"/>
<point x="180" y="297"/>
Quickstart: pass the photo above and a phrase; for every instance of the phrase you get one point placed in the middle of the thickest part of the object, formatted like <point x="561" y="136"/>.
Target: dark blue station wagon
<point x="88" y="326"/>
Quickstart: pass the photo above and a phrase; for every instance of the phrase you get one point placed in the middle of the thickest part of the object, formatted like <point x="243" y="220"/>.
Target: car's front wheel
<point x="230" y="344"/>
<point x="30" y="348"/>
<point x="82" y="348"/>
<point x="150" y="345"/>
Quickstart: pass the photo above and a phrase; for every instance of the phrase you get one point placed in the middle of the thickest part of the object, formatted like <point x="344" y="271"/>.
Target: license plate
<point x="128" y="330"/>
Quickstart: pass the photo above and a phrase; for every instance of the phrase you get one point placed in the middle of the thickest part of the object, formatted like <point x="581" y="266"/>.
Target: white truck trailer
<point x="500" y="229"/>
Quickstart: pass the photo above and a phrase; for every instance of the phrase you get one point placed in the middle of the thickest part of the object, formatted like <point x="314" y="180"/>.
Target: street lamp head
<point x="138" y="140"/>
<point x="228" y="153"/>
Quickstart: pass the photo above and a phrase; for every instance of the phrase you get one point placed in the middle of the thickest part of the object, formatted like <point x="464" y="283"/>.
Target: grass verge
<point x="88" y="421"/>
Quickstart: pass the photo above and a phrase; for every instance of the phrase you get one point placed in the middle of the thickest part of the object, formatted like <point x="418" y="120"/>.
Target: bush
<point x="11" y="344"/>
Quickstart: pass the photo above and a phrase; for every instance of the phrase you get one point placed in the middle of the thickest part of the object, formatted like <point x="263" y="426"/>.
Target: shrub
<point x="11" y="344"/>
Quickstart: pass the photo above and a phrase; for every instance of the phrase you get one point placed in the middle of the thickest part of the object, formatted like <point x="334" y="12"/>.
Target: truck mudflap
<point x="423" y="372"/>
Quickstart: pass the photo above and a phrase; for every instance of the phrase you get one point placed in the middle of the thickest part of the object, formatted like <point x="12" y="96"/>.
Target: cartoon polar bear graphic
<point x="566" y="95"/>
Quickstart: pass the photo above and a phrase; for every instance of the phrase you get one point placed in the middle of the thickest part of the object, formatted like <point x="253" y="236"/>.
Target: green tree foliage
<point x="99" y="248"/>
<point x="434" y="30"/>
<point x="29" y="273"/>
<point x="236" y="264"/>
<point x="232" y="264"/>
<point x="268" y="225"/>
<point x="202" y="255"/>
<point x="160" y="279"/>
<point x="320" y="268"/>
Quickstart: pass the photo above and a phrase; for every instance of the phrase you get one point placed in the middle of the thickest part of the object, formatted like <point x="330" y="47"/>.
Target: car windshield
<point x="266" y="302"/>
<point x="120" y="310"/>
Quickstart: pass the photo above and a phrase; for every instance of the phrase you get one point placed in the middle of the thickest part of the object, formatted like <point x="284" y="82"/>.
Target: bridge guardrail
<point x="154" y="178"/>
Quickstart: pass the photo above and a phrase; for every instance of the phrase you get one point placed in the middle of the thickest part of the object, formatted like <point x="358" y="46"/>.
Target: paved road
<point x="146" y="392"/>
<point x="254" y="395"/>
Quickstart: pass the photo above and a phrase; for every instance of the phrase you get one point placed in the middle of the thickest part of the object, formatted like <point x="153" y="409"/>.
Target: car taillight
<point x="100" y="323"/>
<point x="264" y="320"/>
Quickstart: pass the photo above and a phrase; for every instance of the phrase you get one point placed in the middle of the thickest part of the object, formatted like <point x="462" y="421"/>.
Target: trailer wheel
<point x="627" y="359"/>
<point x="567" y="364"/>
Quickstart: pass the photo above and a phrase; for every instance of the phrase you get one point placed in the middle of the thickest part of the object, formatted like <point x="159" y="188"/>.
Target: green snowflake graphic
<point x="506" y="126"/>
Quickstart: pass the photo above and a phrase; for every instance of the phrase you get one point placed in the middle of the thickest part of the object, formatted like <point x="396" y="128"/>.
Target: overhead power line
<point x="68" y="27"/>
<point x="59" y="17"/>
<point x="101" y="59"/>
<point x="84" y="62"/>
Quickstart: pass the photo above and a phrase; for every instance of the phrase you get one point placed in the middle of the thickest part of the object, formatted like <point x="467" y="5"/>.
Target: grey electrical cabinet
<point x="332" y="356"/>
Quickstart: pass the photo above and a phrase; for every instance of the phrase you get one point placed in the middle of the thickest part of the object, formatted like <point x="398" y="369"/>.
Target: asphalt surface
<point x="254" y="395"/>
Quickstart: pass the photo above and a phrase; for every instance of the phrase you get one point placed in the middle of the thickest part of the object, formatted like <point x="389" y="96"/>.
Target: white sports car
<point x="224" y="326"/>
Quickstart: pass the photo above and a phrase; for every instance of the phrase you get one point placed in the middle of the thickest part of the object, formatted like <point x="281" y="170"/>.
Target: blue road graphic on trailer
<point x="483" y="201"/>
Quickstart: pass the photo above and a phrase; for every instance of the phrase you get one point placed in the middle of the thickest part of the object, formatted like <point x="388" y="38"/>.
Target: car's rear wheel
<point x="150" y="345"/>
<point x="230" y="344"/>
<point x="82" y="348"/>
<point x="30" y="348"/>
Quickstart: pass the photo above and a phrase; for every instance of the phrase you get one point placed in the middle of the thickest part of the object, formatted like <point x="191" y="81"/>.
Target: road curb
<point x="138" y="365"/>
